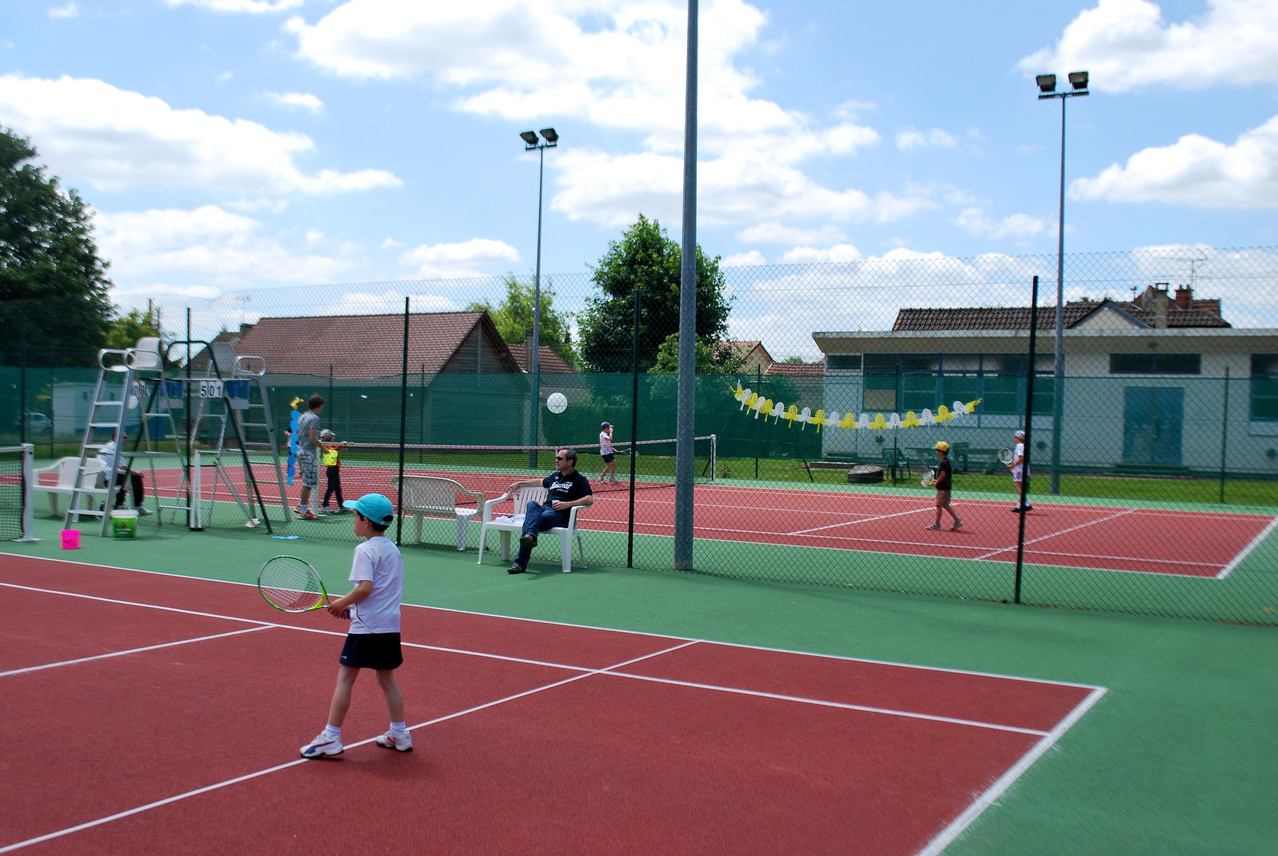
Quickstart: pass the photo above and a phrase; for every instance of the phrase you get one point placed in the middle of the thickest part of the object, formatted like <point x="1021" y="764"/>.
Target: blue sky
<point x="243" y="144"/>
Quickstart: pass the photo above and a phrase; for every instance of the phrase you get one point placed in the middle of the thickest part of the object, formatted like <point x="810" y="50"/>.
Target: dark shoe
<point x="528" y="541"/>
<point x="515" y="569"/>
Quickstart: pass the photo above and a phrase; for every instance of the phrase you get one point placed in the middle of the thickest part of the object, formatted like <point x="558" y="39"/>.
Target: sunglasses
<point x="559" y="457"/>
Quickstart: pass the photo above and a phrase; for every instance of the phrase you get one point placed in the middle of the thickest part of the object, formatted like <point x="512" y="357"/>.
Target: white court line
<point x="259" y="773"/>
<point x="1122" y="513"/>
<point x="1005" y="781"/>
<point x="1251" y="545"/>
<point x="862" y="520"/>
<point x="80" y="660"/>
<point x="952" y="831"/>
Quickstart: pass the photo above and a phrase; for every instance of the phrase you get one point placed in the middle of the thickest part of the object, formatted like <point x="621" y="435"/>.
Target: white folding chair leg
<point x="505" y="547"/>
<point x="565" y="551"/>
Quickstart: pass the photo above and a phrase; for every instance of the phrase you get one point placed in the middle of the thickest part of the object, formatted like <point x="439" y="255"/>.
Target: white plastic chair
<point x="514" y="522"/>
<point x="63" y="484"/>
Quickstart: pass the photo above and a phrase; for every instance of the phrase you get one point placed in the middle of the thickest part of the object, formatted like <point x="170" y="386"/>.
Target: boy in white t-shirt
<point x="606" y="451"/>
<point x="1017" y="466"/>
<point x="373" y="640"/>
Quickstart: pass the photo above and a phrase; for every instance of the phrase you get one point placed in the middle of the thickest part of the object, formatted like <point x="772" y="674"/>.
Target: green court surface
<point x="1180" y="756"/>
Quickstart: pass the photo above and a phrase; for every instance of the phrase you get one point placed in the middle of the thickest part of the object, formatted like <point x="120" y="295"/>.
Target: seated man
<point x="106" y="453"/>
<point x="565" y="489"/>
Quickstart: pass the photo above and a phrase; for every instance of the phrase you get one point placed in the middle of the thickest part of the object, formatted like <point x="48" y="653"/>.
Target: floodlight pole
<point x="1047" y="91"/>
<point x="534" y="367"/>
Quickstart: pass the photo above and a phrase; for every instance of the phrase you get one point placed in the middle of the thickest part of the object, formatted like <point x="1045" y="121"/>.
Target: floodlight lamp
<point x="529" y="137"/>
<point x="550" y="135"/>
<point x="1046" y="82"/>
<point x="1078" y="79"/>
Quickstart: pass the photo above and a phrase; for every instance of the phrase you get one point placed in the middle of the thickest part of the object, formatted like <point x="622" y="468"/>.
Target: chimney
<point x="1160" y="303"/>
<point x="528" y="340"/>
<point x="1184" y="294"/>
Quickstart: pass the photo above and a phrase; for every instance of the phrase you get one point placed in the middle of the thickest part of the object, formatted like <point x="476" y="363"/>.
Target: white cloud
<point x="775" y="233"/>
<point x="251" y="6"/>
<point x="115" y="139"/>
<point x="456" y="261"/>
<point x="1196" y="171"/>
<point x="976" y="221"/>
<point x="227" y="249"/>
<point x="912" y="138"/>
<point x="814" y="255"/>
<point x="741" y="186"/>
<point x="298" y="100"/>
<point x="1126" y="44"/>
<point x="70" y="10"/>
<point x="737" y="260"/>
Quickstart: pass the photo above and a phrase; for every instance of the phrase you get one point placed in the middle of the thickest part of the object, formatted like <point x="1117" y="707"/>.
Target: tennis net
<point x="489" y="469"/>
<point x="16" y="480"/>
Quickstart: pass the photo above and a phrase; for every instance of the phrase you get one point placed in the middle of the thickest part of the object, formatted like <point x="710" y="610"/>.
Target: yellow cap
<point x="942" y="446"/>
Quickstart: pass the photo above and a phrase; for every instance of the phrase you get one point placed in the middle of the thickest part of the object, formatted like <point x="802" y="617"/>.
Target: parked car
<point x="37" y="423"/>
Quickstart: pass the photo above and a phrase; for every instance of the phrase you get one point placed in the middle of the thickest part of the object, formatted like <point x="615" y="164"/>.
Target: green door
<point x="1152" y="422"/>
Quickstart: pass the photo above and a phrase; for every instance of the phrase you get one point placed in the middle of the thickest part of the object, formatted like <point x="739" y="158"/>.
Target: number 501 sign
<point x="210" y="389"/>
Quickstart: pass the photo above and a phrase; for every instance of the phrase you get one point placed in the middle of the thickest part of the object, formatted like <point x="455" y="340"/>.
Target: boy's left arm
<point x="361" y="591"/>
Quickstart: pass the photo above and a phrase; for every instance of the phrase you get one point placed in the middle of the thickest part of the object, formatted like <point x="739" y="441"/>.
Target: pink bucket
<point x="70" y="539"/>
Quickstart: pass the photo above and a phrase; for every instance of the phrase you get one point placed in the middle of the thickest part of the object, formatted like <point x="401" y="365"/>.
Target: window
<point x="1155" y="363"/>
<point x="903" y="382"/>
<point x="1264" y="387"/>
<point x="845" y="362"/>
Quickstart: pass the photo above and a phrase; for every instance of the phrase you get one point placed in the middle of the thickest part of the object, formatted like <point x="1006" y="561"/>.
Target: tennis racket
<point x="1005" y="455"/>
<point x="291" y="585"/>
<point x="929" y="477"/>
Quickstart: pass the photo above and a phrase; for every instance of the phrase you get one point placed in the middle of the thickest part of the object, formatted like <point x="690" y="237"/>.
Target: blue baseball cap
<point x="374" y="506"/>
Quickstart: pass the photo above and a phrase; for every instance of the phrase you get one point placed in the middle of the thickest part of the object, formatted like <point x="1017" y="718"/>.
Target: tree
<point x="646" y="259"/>
<point x="53" y="286"/>
<point x="124" y="332"/>
<point x="514" y="318"/>
<point x="710" y="359"/>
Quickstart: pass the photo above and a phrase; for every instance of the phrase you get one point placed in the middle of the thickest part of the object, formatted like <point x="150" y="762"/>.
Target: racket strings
<point x="291" y="584"/>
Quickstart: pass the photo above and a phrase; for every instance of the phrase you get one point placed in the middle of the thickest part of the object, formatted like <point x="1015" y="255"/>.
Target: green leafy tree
<point x="648" y="260"/>
<point x="514" y="317"/>
<point x="718" y="358"/>
<point x="53" y="286"/>
<point x="125" y="331"/>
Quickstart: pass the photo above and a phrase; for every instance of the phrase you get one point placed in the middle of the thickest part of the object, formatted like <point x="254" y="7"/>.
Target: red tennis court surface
<point x="1179" y="543"/>
<point x="146" y="712"/>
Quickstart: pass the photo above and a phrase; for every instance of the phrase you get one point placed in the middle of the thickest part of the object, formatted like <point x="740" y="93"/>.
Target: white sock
<point x="332" y="732"/>
<point x="398" y="728"/>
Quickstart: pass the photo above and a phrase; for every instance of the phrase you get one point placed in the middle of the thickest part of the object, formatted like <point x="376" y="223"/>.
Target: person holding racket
<point x="607" y="453"/>
<point x="942" y="481"/>
<point x="1017" y="466"/>
<point x="373" y="639"/>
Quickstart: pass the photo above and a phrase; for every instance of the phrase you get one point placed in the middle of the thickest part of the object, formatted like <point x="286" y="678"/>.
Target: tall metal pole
<point x="1058" y="385"/>
<point x="534" y="366"/>
<point x="685" y="466"/>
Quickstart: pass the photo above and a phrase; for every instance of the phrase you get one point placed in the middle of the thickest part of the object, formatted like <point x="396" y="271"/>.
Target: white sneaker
<point x="322" y="746"/>
<point x="404" y="742"/>
<point x="142" y="510"/>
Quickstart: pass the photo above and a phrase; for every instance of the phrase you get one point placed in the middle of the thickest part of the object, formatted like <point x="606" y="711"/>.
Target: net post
<point x="195" y="515"/>
<point x="28" y="480"/>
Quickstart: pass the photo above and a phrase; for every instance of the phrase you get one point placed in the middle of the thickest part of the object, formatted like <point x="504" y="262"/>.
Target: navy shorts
<point x="372" y="651"/>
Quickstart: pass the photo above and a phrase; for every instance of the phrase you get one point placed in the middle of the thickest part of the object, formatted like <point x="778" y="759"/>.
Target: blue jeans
<point x="538" y="517"/>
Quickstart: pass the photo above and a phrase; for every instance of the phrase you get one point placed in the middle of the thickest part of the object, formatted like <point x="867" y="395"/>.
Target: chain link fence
<point x="1152" y="447"/>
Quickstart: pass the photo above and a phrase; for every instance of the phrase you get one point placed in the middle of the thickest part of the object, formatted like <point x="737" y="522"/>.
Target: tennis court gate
<point x="238" y="399"/>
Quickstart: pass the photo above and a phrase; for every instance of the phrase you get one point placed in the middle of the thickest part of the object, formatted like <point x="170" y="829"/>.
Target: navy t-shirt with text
<point x="561" y="488"/>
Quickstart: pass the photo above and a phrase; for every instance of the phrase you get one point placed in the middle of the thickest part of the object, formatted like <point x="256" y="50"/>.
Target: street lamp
<point x="1047" y="89"/>
<point x="534" y="368"/>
